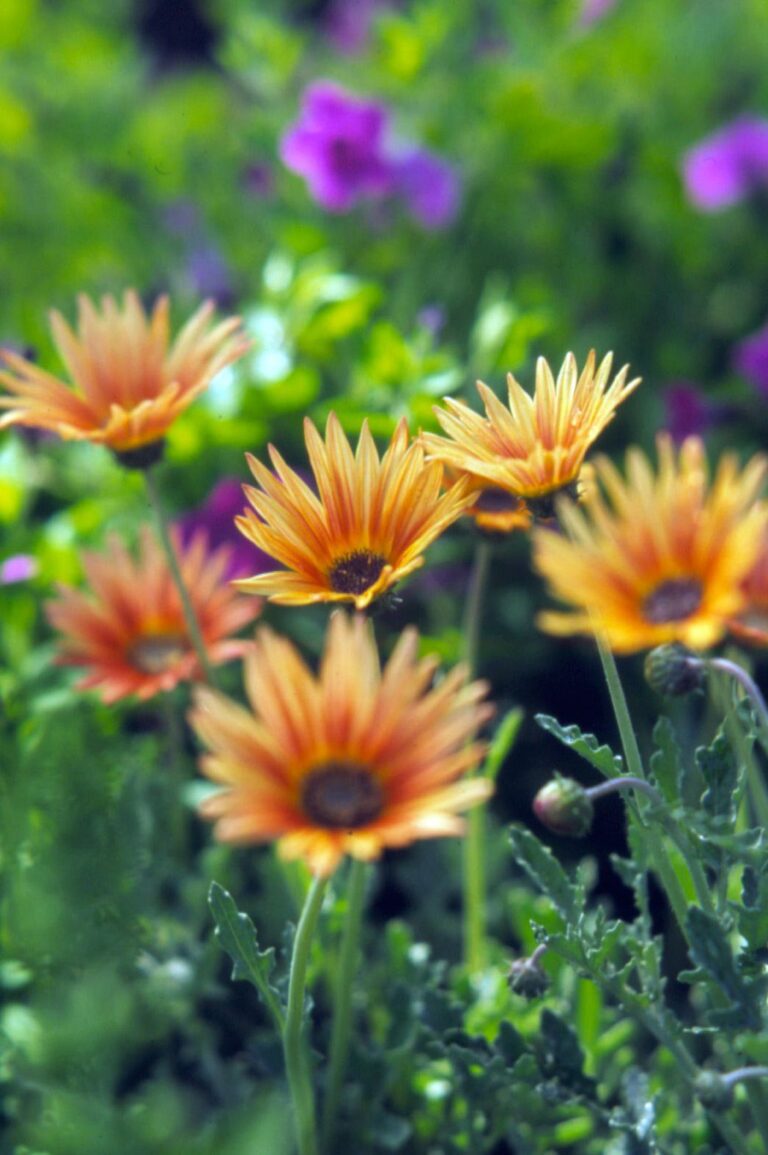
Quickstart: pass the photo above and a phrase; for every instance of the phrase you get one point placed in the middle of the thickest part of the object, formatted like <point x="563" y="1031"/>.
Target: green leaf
<point x="237" y="936"/>
<point x="561" y="1055"/>
<point x="720" y="772"/>
<point x="503" y="741"/>
<point x="711" y="951"/>
<point x="665" y="761"/>
<point x="545" y="871"/>
<point x="586" y="745"/>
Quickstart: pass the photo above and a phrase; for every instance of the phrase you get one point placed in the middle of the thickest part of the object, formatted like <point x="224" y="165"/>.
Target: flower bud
<point x="564" y="807"/>
<point x="674" y="671"/>
<point x="713" y="1092"/>
<point x="527" y="979"/>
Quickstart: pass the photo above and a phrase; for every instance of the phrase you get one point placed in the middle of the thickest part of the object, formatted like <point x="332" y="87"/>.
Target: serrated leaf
<point x="719" y="769"/>
<point x="561" y="1055"/>
<point x="541" y="866"/>
<point x="237" y="936"/>
<point x="586" y="745"/>
<point x="503" y="741"/>
<point x="711" y="951"/>
<point x="665" y="760"/>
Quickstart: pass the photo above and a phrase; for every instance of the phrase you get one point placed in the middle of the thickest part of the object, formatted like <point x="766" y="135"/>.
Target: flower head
<point x="429" y="186"/>
<point x="656" y="558"/>
<point x="751" y="359"/>
<point x="337" y="145"/>
<point x="365" y="528"/>
<point x="352" y="760"/>
<point x="127" y="386"/>
<point x="729" y="165"/>
<point x="751" y="623"/>
<point x="343" y="148"/>
<point x="536" y="446"/>
<point x="689" y="412"/>
<point x="128" y="630"/>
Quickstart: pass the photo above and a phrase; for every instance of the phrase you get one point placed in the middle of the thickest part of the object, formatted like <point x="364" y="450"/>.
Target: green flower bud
<point x="564" y="807"/>
<point x="674" y="671"/>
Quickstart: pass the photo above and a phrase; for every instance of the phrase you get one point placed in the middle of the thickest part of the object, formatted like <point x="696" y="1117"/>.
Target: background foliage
<point x="139" y="146"/>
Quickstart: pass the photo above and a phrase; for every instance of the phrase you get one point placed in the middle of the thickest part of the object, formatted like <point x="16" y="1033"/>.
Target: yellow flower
<point x="535" y="447"/>
<point x="350" y="761"/>
<point x="656" y="558"/>
<point x="751" y="624"/>
<point x="127" y="385"/>
<point x="128" y="629"/>
<point x="365" y="528"/>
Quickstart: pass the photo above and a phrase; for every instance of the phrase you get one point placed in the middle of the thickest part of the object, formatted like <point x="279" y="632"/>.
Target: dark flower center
<point x="673" y="601"/>
<point x="157" y="652"/>
<point x="544" y="505"/>
<point x="497" y="501"/>
<point x="341" y="795"/>
<point x="355" y="572"/>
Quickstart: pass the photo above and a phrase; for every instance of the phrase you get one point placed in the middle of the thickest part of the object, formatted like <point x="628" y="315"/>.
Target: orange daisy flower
<point x="127" y="385"/>
<point x="128" y="629"/>
<point x="365" y="528"/>
<point x="751" y="625"/>
<point x="535" y="447"/>
<point x="656" y="558"/>
<point x="350" y="761"/>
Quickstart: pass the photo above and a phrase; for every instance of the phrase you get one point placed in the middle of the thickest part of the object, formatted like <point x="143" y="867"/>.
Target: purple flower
<point x="750" y="358"/>
<point x="430" y="188"/>
<point x="688" y="411"/>
<point x="337" y="145"/>
<point x="349" y="22"/>
<point x="258" y="180"/>
<point x="18" y="568"/>
<point x="216" y="516"/>
<point x="594" y="10"/>
<point x="209" y="275"/>
<point x="729" y="165"/>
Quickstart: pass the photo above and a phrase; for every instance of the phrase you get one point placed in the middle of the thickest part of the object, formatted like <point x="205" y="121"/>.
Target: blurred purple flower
<point x="728" y="166"/>
<point x="349" y="22"/>
<point x="430" y="187"/>
<point x="217" y="517"/>
<point x="750" y="358"/>
<point x="594" y="10"/>
<point x="182" y="217"/>
<point x="337" y="145"/>
<point x="431" y="318"/>
<point x="258" y="180"/>
<point x="340" y="146"/>
<point x="19" y="567"/>
<point x="209" y="275"/>
<point x="688" y="412"/>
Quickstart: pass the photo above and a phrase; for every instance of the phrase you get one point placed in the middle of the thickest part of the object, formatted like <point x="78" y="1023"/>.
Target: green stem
<point x="342" y="1011"/>
<point x="155" y="500"/>
<point x="474" y="842"/>
<point x="657" y="853"/>
<point x="473" y="609"/>
<point x="296" y="1059"/>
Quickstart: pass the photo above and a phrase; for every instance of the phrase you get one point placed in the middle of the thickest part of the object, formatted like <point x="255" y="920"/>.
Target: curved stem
<point x="626" y="782"/>
<point x="342" y="1012"/>
<point x="296" y="1061"/>
<point x="748" y="685"/>
<point x="193" y="626"/>
<point x="474" y="842"/>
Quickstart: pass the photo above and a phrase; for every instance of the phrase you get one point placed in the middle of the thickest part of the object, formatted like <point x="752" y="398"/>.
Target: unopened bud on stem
<point x="674" y="671"/>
